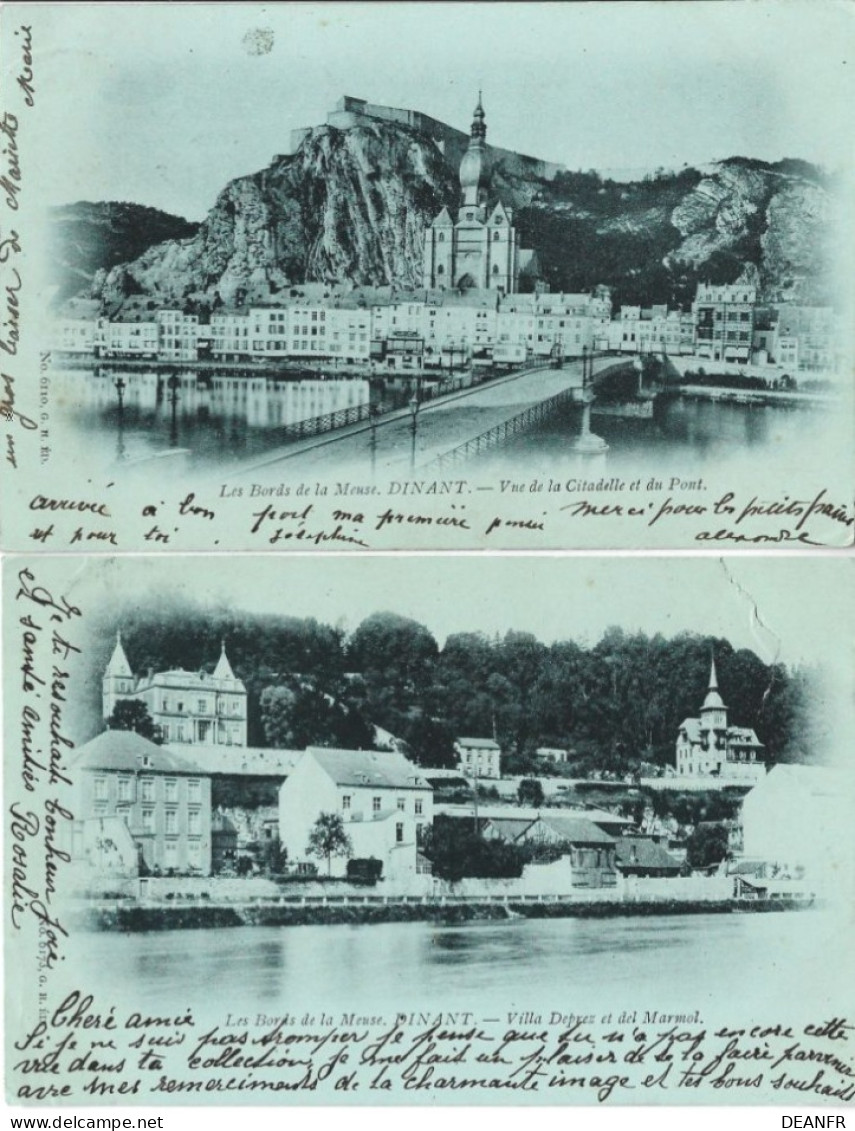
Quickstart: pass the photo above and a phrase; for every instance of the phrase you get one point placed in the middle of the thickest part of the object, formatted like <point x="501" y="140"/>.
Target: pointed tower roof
<point x="223" y="670"/>
<point x="713" y="700"/>
<point x="474" y="167"/>
<point x="443" y="220"/>
<point x="478" y="128"/>
<point x="118" y="664"/>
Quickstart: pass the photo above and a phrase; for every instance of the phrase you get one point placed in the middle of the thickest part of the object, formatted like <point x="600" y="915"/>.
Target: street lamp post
<point x="120" y="387"/>
<point x="373" y="413"/>
<point x="414" y="409"/>
<point x="173" y="384"/>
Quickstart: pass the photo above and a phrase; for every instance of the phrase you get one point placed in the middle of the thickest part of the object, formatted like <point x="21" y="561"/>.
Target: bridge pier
<point x="588" y="443"/>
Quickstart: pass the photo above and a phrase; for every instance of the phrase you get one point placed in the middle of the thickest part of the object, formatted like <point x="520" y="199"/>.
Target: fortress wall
<point x="350" y="112"/>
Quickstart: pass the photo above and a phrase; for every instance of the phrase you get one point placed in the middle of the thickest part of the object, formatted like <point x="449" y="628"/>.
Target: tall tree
<point x="132" y="714"/>
<point x="328" y="838"/>
<point x="396" y="657"/>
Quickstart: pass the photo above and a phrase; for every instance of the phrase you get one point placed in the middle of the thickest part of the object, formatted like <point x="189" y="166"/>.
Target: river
<point x="216" y="420"/>
<point x="754" y="962"/>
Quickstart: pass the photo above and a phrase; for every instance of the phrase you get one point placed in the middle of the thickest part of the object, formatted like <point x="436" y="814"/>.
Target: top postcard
<point x="417" y="276"/>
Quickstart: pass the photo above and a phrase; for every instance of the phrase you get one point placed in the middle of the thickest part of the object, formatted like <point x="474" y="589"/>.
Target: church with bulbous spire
<point x="478" y="248"/>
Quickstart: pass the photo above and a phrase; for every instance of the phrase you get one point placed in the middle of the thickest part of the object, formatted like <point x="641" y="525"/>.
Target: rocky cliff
<point x="351" y="206"/>
<point x="89" y="237"/>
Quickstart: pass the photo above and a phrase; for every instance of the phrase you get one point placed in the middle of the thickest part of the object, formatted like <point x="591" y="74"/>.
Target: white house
<point x="798" y="817"/>
<point x="479" y="757"/>
<point x="382" y="798"/>
<point x="551" y="754"/>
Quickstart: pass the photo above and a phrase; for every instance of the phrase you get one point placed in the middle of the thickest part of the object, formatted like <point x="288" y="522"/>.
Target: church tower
<point x="223" y="670"/>
<point x="118" y="680"/>
<point x="714" y="711"/>
<point x="478" y="249"/>
<point x="475" y="166"/>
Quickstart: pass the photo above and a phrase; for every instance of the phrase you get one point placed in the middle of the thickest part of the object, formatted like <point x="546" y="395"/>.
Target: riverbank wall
<point x="140" y="917"/>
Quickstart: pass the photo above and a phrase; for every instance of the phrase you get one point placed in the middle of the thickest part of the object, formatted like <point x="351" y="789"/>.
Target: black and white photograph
<point x="568" y="831"/>
<point x="349" y="276"/>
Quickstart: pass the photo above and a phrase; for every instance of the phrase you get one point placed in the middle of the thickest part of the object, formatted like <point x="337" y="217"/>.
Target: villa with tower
<point x="478" y="248"/>
<point x="708" y="747"/>
<point x="192" y="708"/>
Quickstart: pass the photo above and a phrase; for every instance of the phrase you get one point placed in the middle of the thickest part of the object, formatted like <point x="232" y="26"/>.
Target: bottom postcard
<point x="427" y="830"/>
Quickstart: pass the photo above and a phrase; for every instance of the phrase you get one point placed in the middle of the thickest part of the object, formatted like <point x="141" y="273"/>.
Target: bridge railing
<point x="500" y="433"/>
<point x="315" y="425"/>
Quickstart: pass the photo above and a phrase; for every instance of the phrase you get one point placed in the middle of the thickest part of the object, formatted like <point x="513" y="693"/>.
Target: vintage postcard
<point x="418" y="276"/>
<point x="429" y="830"/>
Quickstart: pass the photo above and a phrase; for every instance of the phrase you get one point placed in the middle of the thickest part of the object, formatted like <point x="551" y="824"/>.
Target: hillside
<point x="88" y="237"/>
<point x="351" y="205"/>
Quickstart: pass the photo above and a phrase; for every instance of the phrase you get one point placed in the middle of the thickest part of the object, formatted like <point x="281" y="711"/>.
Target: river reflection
<point x="686" y="437"/>
<point x="211" y="416"/>
<point x="213" y="420"/>
<point x="666" y="962"/>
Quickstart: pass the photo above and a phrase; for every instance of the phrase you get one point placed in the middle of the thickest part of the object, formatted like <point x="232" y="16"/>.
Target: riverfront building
<point x="381" y="798"/>
<point x="792" y="818"/>
<point x="708" y="746"/>
<point x="192" y="708"/>
<point x="139" y="808"/>
<point x="724" y="321"/>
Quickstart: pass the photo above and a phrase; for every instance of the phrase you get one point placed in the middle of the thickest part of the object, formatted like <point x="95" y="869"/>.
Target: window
<point x="441" y="237"/>
<point x="194" y="821"/>
<point x="171" y="789"/>
<point x="194" y="789"/>
<point x="147" y="789"/>
<point x="202" y="706"/>
<point x="100" y="789"/>
<point x="148" y="820"/>
<point x="172" y="820"/>
<point x="375" y="804"/>
<point x="419" y="806"/>
<point x="124" y="789"/>
<point x="170" y="851"/>
<point x="399" y="833"/>
<point x="345" y="801"/>
<point x="402" y="804"/>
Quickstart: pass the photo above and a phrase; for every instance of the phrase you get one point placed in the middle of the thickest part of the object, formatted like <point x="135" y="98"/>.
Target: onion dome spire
<point x="478" y="128"/>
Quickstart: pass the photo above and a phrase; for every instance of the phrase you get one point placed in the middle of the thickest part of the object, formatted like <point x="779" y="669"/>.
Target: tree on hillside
<point x="530" y="792"/>
<point x="455" y="850"/>
<point x="396" y="657"/>
<point x="296" y="718"/>
<point x="132" y="714"/>
<point x="706" y="846"/>
<point x="430" y="742"/>
<point x="328" y="838"/>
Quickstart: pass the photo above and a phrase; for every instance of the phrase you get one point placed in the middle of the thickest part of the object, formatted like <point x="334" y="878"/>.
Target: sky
<point x="163" y="104"/>
<point x="779" y="609"/>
